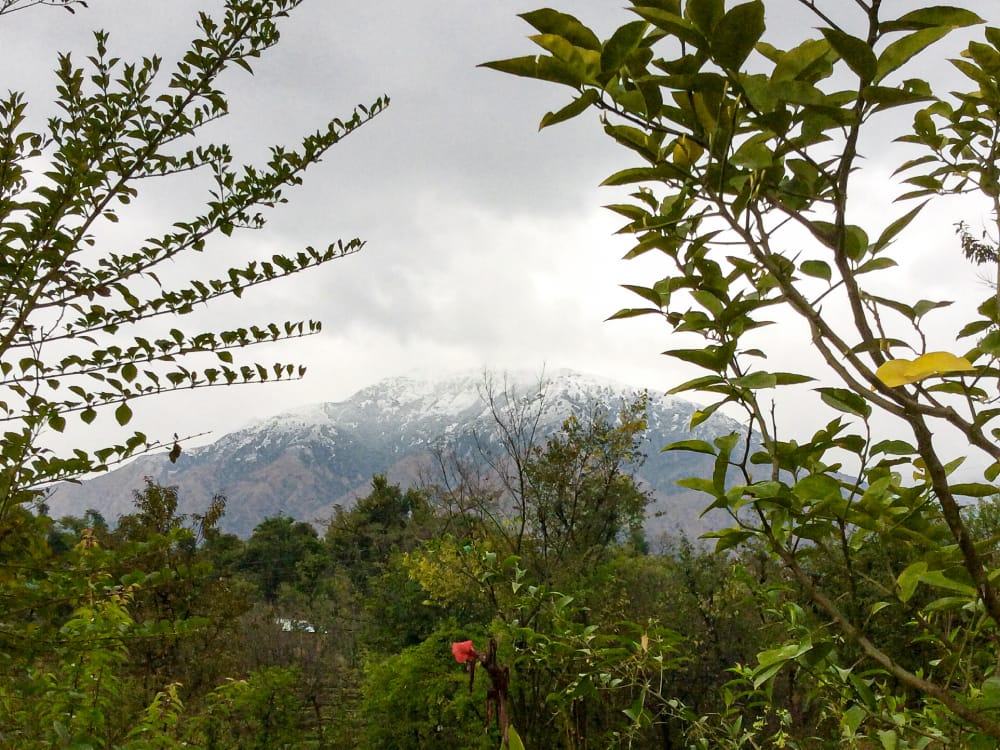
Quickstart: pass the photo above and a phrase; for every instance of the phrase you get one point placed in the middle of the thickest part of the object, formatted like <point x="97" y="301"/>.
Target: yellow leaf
<point x="686" y="152"/>
<point x="905" y="371"/>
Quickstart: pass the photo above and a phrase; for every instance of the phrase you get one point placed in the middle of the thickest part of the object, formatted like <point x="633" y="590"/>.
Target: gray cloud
<point x="486" y="241"/>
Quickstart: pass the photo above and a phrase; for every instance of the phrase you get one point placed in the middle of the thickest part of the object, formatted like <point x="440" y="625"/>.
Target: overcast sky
<point x="487" y="244"/>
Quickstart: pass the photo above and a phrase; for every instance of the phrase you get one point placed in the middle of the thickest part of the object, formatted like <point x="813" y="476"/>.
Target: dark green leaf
<point x="541" y="68"/>
<point x="735" y="36"/>
<point x="937" y="15"/>
<point x="791" y="378"/>
<point x="571" y="110"/>
<point x="622" y="43"/>
<point x="886" y="97"/>
<point x="635" y="312"/>
<point x="709" y="358"/>
<point x="990" y="343"/>
<point x="123" y="414"/>
<point x="705" y="382"/>
<point x="847" y="401"/>
<point x="694" y="446"/>
<point x="974" y="489"/>
<point x="875" y="264"/>
<point x="705" y="13"/>
<point x="793" y="63"/>
<point x="894" y="447"/>
<point x="890" y="232"/>
<point x="673" y="24"/>
<point x="855" y="52"/>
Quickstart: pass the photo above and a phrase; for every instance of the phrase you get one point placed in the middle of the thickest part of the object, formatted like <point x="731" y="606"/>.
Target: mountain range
<point x="305" y="462"/>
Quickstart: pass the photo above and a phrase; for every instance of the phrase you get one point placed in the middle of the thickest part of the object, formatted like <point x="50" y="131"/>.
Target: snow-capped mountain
<point x="304" y="462"/>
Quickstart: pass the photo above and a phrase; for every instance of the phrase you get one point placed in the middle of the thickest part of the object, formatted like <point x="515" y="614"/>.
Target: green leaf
<point x="974" y="489"/>
<point x="938" y="579"/>
<point x="695" y="483"/>
<point x="889" y="739"/>
<point x="795" y="62"/>
<point x="541" y="68"/>
<point x="909" y="578"/>
<point x="851" y="720"/>
<point x="571" y="110"/>
<point x="978" y="326"/>
<point x="549" y="21"/>
<point x="770" y="662"/>
<point x="672" y="24"/>
<point x="937" y="15"/>
<point x="514" y="738"/>
<point x="701" y="383"/>
<point x="902" y="50"/>
<point x="894" y="447"/>
<point x="817" y="487"/>
<point x="875" y="264"/>
<point x="855" y="52"/>
<point x="887" y="97"/>
<point x="847" y="401"/>
<point x="816" y="268"/>
<point x="791" y="378"/>
<point x="756" y="381"/>
<point x="990" y="693"/>
<point x="123" y="414"/>
<point x="622" y="43"/>
<point x="705" y="13"/>
<point x="703" y="414"/>
<point x="924" y="306"/>
<point x="695" y="446"/>
<point x="890" y="232"/>
<point x="856" y="242"/>
<point x="711" y="358"/>
<point x="633" y="312"/>
<point x="736" y="35"/>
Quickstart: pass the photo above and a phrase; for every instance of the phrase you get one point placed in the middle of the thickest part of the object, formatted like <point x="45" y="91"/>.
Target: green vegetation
<point x="852" y="603"/>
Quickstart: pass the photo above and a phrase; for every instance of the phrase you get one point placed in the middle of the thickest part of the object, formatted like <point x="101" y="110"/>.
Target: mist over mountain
<point x="304" y="462"/>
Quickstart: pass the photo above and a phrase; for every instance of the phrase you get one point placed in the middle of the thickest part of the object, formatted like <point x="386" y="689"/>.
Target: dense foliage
<point x="749" y="185"/>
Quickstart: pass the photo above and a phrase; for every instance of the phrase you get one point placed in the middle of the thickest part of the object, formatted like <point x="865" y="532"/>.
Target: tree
<point x="78" y="318"/>
<point x="560" y="500"/>
<point x="86" y="327"/>
<point x="275" y="551"/>
<point x="750" y="157"/>
<point x="387" y="521"/>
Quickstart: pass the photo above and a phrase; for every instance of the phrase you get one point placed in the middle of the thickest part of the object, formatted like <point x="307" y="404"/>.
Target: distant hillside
<point x="303" y="463"/>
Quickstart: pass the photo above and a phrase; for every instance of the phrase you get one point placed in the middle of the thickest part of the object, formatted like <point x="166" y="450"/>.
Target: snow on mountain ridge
<point x="429" y="405"/>
<point x="306" y="460"/>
